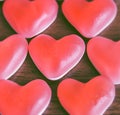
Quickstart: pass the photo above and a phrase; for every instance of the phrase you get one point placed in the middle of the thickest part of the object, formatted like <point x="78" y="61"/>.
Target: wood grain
<point x="84" y="71"/>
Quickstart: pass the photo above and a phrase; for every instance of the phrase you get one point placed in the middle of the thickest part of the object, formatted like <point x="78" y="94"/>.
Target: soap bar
<point x="30" y="17"/>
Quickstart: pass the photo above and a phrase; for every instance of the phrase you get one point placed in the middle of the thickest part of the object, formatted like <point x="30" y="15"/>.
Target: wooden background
<point x="84" y="71"/>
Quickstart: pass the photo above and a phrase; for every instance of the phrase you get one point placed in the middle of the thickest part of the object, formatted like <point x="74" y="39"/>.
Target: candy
<point x="54" y="58"/>
<point x="104" y="55"/>
<point x="31" y="99"/>
<point x="13" y="51"/>
<point x="91" y="98"/>
<point x="89" y="17"/>
<point x="30" y="17"/>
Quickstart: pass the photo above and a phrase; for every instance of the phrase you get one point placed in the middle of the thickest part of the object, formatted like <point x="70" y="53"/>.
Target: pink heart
<point x="31" y="99"/>
<point x="92" y="98"/>
<point x="105" y="56"/>
<point x="54" y="58"/>
<point x="13" y="51"/>
<point x="89" y="17"/>
<point x="30" y="17"/>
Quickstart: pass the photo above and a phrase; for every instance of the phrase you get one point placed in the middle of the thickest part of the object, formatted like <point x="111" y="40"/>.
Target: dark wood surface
<point x="84" y="71"/>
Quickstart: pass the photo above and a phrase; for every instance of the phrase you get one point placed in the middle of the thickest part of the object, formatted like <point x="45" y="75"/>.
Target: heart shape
<point x="30" y="17"/>
<point x="104" y="55"/>
<point x="91" y="98"/>
<point x="54" y="58"/>
<point x="89" y="17"/>
<point x="31" y="99"/>
<point x="13" y="51"/>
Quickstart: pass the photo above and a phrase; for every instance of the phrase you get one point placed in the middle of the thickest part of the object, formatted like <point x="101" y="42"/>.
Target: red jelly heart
<point x="13" y="51"/>
<point x="105" y="56"/>
<point x="31" y="99"/>
<point x="54" y="58"/>
<point x="30" y="17"/>
<point x="92" y="98"/>
<point x="89" y="17"/>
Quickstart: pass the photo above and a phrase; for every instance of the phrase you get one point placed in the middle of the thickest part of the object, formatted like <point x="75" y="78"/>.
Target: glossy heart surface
<point x="89" y="17"/>
<point x="54" y="58"/>
<point x="30" y="17"/>
<point x="31" y="99"/>
<point x="91" y="98"/>
<point x="13" y="51"/>
<point x="105" y="56"/>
